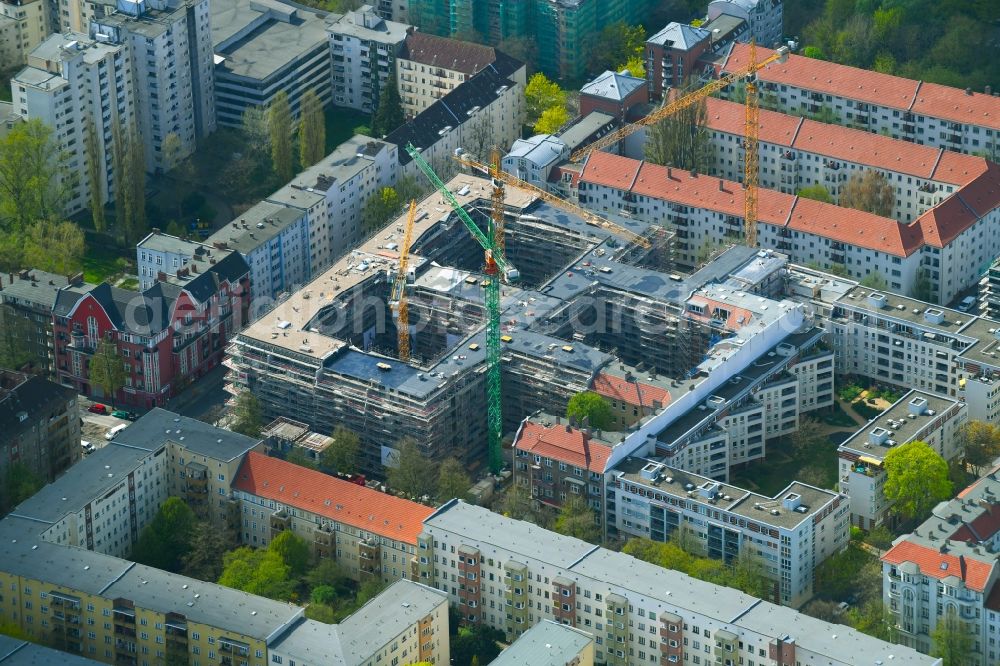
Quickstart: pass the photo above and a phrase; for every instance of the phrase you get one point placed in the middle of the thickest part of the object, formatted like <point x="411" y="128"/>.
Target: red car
<point x="98" y="408"/>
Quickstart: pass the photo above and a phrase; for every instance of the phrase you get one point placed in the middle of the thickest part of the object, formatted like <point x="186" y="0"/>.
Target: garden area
<point x="342" y="124"/>
<point x="867" y="402"/>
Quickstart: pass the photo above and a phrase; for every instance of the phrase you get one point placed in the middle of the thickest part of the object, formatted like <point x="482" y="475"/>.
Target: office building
<point x="364" y="49"/>
<point x="40" y="422"/>
<point x="512" y="575"/>
<point x="26" y="301"/>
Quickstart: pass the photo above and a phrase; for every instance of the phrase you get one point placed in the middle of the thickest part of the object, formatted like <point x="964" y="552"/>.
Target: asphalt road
<point x="95" y="426"/>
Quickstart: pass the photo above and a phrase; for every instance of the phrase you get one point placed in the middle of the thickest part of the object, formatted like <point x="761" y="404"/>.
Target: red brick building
<point x="613" y="93"/>
<point x="167" y="336"/>
<point x="671" y="55"/>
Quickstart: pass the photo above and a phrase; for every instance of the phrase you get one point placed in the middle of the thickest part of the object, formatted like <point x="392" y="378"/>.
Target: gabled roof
<point x="855" y="227"/>
<point x="615" y="86"/>
<point x="679" y="36"/>
<point x="936" y="564"/>
<point x="30" y="394"/>
<point x="632" y="392"/>
<point x="564" y="443"/>
<point x="453" y="54"/>
<point x="364" y="508"/>
<point x="954" y="104"/>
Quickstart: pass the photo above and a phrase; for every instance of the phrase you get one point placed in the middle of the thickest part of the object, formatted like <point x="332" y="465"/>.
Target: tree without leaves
<point x="165" y="541"/>
<point x="923" y="289"/>
<point x="951" y="639"/>
<point x="312" y="130"/>
<point x="248" y="415"/>
<point x="203" y="559"/>
<point x="342" y="454"/>
<point x="916" y="479"/>
<point x="551" y="120"/>
<point x="415" y="475"/>
<point x="591" y="406"/>
<point x="389" y="114"/>
<point x="95" y="183"/>
<point x="541" y="94"/>
<point x="107" y="370"/>
<point x="517" y="503"/>
<point x="280" y="127"/>
<point x="980" y="443"/>
<point x="33" y="178"/>
<point x="297" y="456"/>
<point x="15" y="336"/>
<point x="453" y="481"/>
<point x="576" y="519"/>
<point x="682" y="140"/>
<point x="808" y="433"/>
<point x="293" y="551"/>
<point x="869" y="191"/>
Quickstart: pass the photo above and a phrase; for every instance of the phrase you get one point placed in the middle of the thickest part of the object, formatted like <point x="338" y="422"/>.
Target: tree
<point x="616" y="43"/>
<point x="95" y="182"/>
<point x="323" y="594"/>
<point x="172" y="148"/>
<point x="380" y="208"/>
<point x="297" y="456"/>
<point x="328" y="573"/>
<point x="916" y="479"/>
<point x="293" y="550"/>
<point x="551" y="120"/>
<point x="816" y="192"/>
<point x="951" y="639"/>
<point x="107" y="370"/>
<point x="256" y="133"/>
<point x="248" y="415"/>
<point x="33" y="178"/>
<point x="279" y="127"/>
<point x="342" y="454"/>
<point x="682" y="140"/>
<point x="808" y="433"/>
<point x="592" y="407"/>
<point x="260" y="572"/>
<point x="207" y="545"/>
<point x="19" y="483"/>
<point x="165" y="541"/>
<point x="980" y="443"/>
<point x="747" y="574"/>
<point x="872" y="618"/>
<point x="312" y="130"/>
<point x="414" y="475"/>
<point x="577" y="519"/>
<point x="119" y="163"/>
<point x="923" y="289"/>
<point x="814" y="52"/>
<point x="874" y="280"/>
<point x="389" y="113"/>
<point x="475" y="644"/>
<point x="517" y="503"/>
<point x="636" y="66"/>
<point x="57" y="247"/>
<point x="869" y="191"/>
<point x="541" y="94"/>
<point x="453" y="481"/>
<point x="128" y="157"/>
<point x="522" y="48"/>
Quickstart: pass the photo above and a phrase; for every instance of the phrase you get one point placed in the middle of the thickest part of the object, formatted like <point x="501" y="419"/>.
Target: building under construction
<point x="588" y="302"/>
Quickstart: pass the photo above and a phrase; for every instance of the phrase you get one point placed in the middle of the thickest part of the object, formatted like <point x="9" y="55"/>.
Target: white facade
<point x="763" y="16"/>
<point x="364" y="47"/>
<point x="533" y="159"/>
<point x="67" y="79"/>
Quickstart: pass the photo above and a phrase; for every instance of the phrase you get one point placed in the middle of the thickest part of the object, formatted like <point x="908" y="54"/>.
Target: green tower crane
<point x="496" y="269"/>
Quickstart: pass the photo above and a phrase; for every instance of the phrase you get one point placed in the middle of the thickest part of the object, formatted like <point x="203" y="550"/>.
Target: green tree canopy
<point x="980" y="442"/>
<point x="874" y="280"/>
<point x="312" y="130"/>
<point x="591" y="406"/>
<point x="951" y="639"/>
<point x="916" y="479"/>
<point x="280" y="127"/>
<point x="32" y="175"/>
<point x="293" y="550"/>
<point x="166" y="540"/>
<point x="551" y="120"/>
<point x="453" y="481"/>
<point x="869" y="191"/>
<point x="635" y="65"/>
<point x="257" y="571"/>
<point x="576" y="519"/>
<point x="817" y="192"/>
<point x="475" y="644"/>
<point x="342" y="454"/>
<point x="381" y="207"/>
<point x="540" y="94"/>
<point x="248" y="416"/>
<point x="389" y="114"/>
<point x="616" y="43"/>
<point x="19" y="483"/>
<point x="414" y="475"/>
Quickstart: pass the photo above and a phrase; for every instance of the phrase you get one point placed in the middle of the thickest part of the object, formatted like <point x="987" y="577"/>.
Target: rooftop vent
<point x="878" y="436"/>
<point x="792" y="501"/>
<point x="933" y="315"/>
<point x="917" y="406"/>
<point x="877" y="300"/>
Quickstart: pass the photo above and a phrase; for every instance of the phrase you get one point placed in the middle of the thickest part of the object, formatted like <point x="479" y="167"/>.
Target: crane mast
<point x="399" y="289"/>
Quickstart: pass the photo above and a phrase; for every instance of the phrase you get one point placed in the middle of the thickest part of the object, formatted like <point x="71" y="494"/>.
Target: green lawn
<point x="836" y="416"/>
<point x="815" y="464"/>
<point x="341" y="125"/>
<point x="99" y="262"/>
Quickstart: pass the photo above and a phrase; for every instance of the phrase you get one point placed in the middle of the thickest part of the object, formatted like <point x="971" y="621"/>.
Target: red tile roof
<point x="565" y="444"/>
<point x="929" y="99"/>
<point x="453" y="54"/>
<point x="974" y="573"/>
<point x="370" y="510"/>
<point x="941" y="224"/>
<point x="730" y="117"/>
<point x="855" y="227"/>
<point x="737" y="319"/>
<point x="981" y="528"/>
<point x="982" y="194"/>
<point x="631" y="392"/>
<point x="958" y="168"/>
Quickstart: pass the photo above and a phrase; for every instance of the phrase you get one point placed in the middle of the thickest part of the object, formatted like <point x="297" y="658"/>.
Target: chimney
<point x="156" y="231"/>
<point x="220" y="245"/>
<point x="988" y="90"/>
<point x="670" y="173"/>
<point x="558" y="419"/>
<point x="721" y="188"/>
<point x="968" y="91"/>
<point x="161" y="276"/>
<point x="569" y="427"/>
<point x="194" y="268"/>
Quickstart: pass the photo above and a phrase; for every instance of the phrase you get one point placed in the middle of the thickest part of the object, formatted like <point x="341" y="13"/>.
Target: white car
<point x="111" y="434"/>
<point x="87" y="447"/>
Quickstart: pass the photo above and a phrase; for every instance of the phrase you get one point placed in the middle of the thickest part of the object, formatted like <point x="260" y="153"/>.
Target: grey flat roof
<point x="902" y="308"/>
<point x="273" y="45"/>
<point x="389" y="614"/>
<point x="907" y="427"/>
<point x="585" y="128"/>
<point x="15" y="652"/>
<point x="204" y="603"/>
<point x="384" y="32"/>
<point x="986" y="350"/>
<point x="38" y="287"/>
<point x="39" y="78"/>
<point x="547" y="643"/>
<point x="160" y="426"/>
<point x="160" y="242"/>
<point x="274" y="217"/>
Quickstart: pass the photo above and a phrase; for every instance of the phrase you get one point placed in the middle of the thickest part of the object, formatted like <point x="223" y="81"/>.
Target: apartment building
<point x="671" y="56"/>
<point x="988" y="303"/>
<point x="405" y="624"/>
<point x="977" y="371"/>
<point x="168" y="335"/>
<point x="40" y="423"/>
<point x="162" y="253"/>
<point x="549" y="643"/>
<point x="791" y="533"/>
<point x="511" y="575"/>
<point x="265" y="47"/>
<point x="371" y="534"/>
<point x="71" y="83"/>
<point x="23" y="26"/>
<point x="26" y="301"/>
<point x="917" y="416"/>
<point x="614" y="93"/>
<point x="949" y="564"/>
<point x="15" y="652"/>
<point x="364" y="48"/>
<point x="533" y="159"/>
<point x="172" y="65"/>
<point x="429" y="67"/>
<point x="925" y="113"/>
<point x="764" y="17"/>
<point x="274" y="241"/>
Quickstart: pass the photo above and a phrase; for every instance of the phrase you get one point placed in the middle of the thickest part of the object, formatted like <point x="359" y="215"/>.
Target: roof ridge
<point x="916" y="92"/>
<point x="798" y="128"/>
<point x="937" y="162"/>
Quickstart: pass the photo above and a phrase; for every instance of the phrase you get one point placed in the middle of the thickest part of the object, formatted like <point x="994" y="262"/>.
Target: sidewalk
<point x="849" y="410"/>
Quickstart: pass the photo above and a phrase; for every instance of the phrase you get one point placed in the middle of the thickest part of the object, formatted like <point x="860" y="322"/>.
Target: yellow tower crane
<point x="497" y="174"/>
<point x="750" y="131"/>
<point x="399" y="289"/>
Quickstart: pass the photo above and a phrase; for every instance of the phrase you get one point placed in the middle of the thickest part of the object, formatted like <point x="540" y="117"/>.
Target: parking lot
<point x="95" y="426"/>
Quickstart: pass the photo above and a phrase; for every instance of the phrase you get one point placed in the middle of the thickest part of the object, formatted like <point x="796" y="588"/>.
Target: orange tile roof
<point x="953" y="104"/>
<point x="982" y="194"/>
<point x="958" y="168"/>
<point x="855" y="227"/>
<point x="941" y="224"/>
<point x="974" y="573"/>
<point x="364" y="508"/>
<point x="565" y="444"/>
<point x="730" y="117"/>
<point x="631" y="392"/>
<point x="737" y="319"/>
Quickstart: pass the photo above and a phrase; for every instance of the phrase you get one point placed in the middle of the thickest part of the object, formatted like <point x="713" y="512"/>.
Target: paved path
<point x="849" y="410"/>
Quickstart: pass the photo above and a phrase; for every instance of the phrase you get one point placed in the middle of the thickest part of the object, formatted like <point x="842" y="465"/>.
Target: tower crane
<point x="399" y="289"/>
<point x="496" y="173"/>
<point x="751" y="127"/>
<point x="496" y="269"/>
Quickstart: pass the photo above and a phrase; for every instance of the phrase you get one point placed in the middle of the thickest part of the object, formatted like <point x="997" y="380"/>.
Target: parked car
<point x="122" y="414"/>
<point x="966" y="304"/>
<point x="87" y="447"/>
<point x="111" y="434"/>
<point x="98" y="408"/>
